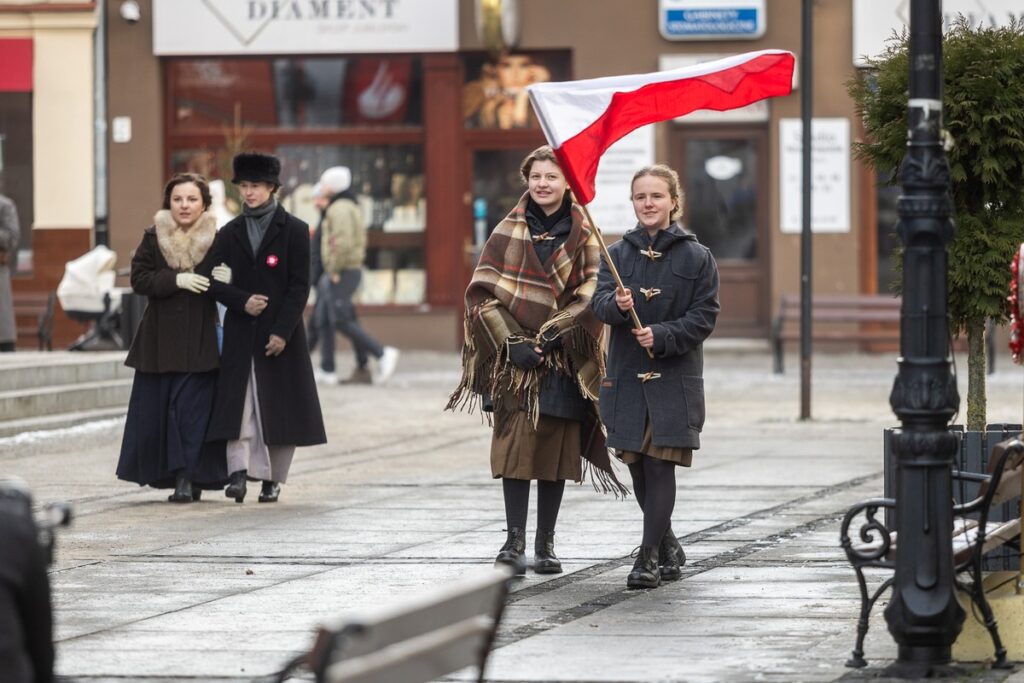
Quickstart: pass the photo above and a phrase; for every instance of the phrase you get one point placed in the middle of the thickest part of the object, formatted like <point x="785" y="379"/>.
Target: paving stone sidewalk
<point x="400" y="501"/>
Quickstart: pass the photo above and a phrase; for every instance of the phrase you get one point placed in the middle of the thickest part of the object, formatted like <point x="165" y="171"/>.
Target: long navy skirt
<point x="165" y="431"/>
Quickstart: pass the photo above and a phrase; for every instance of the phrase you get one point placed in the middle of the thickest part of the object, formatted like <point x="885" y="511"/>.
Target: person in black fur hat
<point x="266" y="402"/>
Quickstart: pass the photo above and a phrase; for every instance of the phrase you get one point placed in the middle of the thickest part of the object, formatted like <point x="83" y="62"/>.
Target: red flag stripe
<point x="764" y="75"/>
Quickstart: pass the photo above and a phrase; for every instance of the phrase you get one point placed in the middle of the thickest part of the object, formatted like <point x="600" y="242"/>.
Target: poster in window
<point x="494" y="94"/>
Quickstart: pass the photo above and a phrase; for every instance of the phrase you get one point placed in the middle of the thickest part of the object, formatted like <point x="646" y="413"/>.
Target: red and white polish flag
<point x="582" y="119"/>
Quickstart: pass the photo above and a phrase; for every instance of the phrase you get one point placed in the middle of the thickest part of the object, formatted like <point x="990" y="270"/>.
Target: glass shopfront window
<point x="387" y="181"/>
<point x="494" y="93"/>
<point x="292" y="92"/>
<point x="314" y="113"/>
<point x="16" y="167"/>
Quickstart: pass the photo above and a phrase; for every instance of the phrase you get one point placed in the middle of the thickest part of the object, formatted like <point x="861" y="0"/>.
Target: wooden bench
<point x="973" y="537"/>
<point x="37" y="307"/>
<point x="419" y="641"/>
<point x="849" y="318"/>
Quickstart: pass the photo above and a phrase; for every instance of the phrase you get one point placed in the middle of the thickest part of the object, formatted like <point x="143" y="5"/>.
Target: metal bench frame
<point x="972" y="539"/>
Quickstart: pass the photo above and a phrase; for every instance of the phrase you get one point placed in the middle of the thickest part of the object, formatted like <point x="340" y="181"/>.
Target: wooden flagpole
<point x="614" y="271"/>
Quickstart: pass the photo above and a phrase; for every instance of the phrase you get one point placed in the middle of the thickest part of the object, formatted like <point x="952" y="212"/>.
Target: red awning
<point x="16" y="65"/>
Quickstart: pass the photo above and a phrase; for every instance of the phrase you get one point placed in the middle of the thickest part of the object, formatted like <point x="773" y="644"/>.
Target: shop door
<point x="724" y="175"/>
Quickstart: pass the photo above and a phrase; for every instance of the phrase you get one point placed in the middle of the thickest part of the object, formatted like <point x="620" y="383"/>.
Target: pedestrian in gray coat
<point x="652" y="399"/>
<point x="9" y="234"/>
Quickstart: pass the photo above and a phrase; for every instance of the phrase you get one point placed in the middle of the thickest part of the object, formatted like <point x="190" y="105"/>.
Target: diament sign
<point x="711" y="19"/>
<point x="239" y="27"/>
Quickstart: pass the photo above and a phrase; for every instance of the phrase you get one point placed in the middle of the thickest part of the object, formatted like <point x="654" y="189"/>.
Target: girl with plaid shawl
<point x="532" y="355"/>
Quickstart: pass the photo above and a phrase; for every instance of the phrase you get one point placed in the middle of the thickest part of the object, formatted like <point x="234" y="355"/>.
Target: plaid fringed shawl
<point x="513" y="295"/>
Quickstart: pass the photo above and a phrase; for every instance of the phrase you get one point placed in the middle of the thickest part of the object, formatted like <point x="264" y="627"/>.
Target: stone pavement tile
<point x="180" y="664"/>
<point x="171" y="577"/>
<point x="143" y="638"/>
<point x="668" y="657"/>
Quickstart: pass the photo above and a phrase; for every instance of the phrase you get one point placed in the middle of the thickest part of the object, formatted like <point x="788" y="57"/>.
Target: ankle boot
<point x="544" y="560"/>
<point x="513" y="553"/>
<point x="671" y="556"/>
<point x="645" y="572"/>
<point x="182" y="490"/>
<point x="236" y="486"/>
<point x="269" y="492"/>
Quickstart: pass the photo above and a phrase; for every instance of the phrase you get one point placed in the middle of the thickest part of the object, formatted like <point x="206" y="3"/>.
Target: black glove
<point x="522" y="355"/>
<point x="550" y="341"/>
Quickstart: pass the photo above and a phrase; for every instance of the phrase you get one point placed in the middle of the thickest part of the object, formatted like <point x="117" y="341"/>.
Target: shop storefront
<point x="46" y="144"/>
<point x="434" y="124"/>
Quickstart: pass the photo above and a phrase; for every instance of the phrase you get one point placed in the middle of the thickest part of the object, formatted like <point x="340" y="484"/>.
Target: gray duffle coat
<point x="674" y="281"/>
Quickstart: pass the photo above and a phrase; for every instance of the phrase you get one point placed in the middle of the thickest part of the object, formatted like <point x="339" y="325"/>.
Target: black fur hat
<point x="256" y="168"/>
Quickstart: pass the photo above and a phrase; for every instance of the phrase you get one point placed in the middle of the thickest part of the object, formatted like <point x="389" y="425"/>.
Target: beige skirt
<point x="680" y="456"/>
<point x="551" y="452"/>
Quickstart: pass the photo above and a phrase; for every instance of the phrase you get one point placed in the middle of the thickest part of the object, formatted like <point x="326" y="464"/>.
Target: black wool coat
<point x="289" y="405"/>
<point x="178" y="331"/>
<point x="676" y="295"/>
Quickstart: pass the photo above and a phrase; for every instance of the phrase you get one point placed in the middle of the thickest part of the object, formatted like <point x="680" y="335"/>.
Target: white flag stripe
<point x="580" y="103"/>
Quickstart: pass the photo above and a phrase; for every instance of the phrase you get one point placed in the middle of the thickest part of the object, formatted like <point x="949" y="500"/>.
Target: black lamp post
<point x="924" y="616"/>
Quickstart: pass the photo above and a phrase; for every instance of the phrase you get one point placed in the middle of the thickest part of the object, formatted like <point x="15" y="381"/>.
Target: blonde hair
<point x="671" y="178"/>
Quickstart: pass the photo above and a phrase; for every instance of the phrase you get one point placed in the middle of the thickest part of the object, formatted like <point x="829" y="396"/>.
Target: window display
<point x="388" y="183"/>
<point x="302" y="93"/>
<point x="494" y="95"/>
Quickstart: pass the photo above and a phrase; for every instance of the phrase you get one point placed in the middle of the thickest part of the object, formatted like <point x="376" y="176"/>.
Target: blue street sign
<point x="711" y="19"/>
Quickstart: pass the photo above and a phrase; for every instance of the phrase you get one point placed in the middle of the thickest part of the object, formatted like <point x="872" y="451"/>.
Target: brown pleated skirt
<point x="680" y="456"/>
<point x="549" y="452"/>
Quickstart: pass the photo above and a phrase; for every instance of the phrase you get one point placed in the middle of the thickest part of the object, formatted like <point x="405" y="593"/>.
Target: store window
<point x="291" y="92"/>
<point x="721" y="190"/>
<point x="361" y="112"/>
<point x="16" y="140"/>
<point x="494" y="94"/>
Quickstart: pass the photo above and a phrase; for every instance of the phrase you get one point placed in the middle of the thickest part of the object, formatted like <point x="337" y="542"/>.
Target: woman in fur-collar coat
<point x="532" y="350"/>
<point x="174" y="352"/>
<point x="652" y="400"/>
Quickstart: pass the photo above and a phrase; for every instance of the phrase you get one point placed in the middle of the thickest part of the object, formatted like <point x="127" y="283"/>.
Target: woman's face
<point x="255" y="194"/>
<point x="186" y="204"/>
<point x="652" y="202"/>
<point x="546" y="184"/>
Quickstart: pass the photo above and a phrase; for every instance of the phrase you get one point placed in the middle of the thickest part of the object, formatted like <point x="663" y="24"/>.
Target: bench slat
<point x="418" y="660"/>
<point x="402" y="622"/>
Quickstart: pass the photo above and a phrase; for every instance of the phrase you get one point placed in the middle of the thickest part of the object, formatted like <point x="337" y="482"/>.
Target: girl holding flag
<point x="532" y="356"/>
<point x="652" y="399"/>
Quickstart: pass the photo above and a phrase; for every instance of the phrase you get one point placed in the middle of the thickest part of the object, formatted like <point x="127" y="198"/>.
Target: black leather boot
<point x="236" y="486"/>
<point x="270" y="492"/>
<point x="671" y="556"/>
<point x="544" y="560"/>
<point x="645" y="572"/>
<point x="513" y="553"/>
<point x="182" y="490"/>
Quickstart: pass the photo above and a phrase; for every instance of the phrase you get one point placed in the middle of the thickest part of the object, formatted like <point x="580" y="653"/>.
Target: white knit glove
<point x="192" y="282"/>
<point x="222" y="273"/>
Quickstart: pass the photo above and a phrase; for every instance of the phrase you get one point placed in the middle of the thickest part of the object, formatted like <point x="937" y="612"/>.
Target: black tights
<point x="517" y="500"/>
<point x="654" y="485"/>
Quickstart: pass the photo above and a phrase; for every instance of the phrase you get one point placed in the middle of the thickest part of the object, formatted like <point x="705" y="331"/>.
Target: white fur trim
<point x="184" y="249"/>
